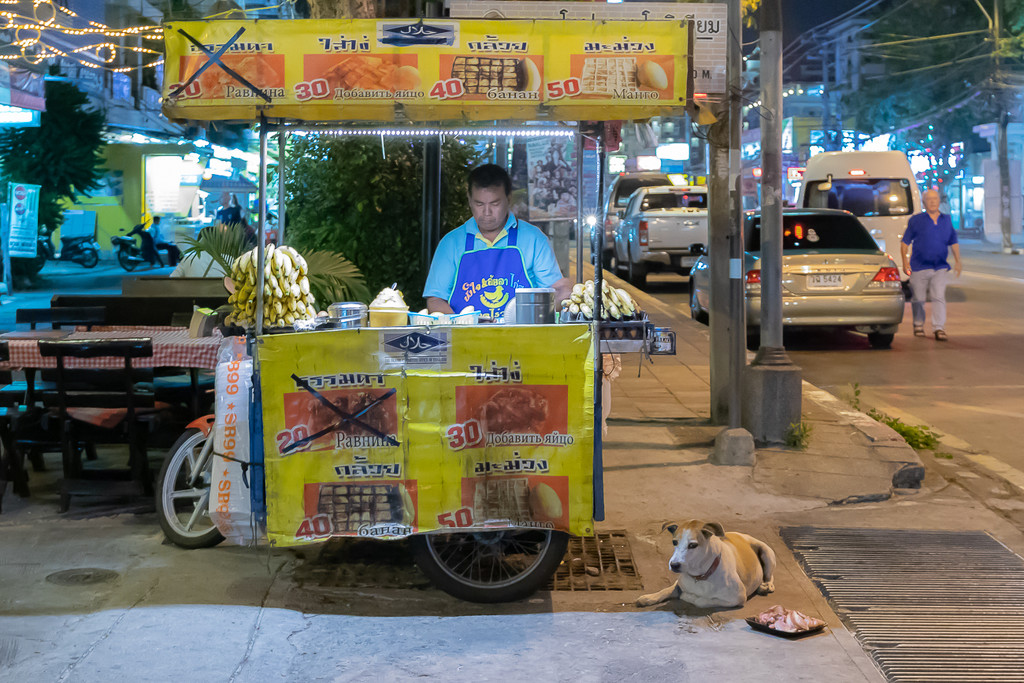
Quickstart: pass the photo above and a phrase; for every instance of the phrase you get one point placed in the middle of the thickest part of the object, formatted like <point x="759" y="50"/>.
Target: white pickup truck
<point x="663" y="228"/>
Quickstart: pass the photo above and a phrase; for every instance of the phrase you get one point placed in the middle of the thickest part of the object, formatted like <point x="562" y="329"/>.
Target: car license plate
<point x="687" y="260"/>
<point x="825" y="281"/>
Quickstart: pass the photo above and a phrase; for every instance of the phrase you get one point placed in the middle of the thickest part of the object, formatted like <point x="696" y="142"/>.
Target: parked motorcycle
<point x="83" y="250"/>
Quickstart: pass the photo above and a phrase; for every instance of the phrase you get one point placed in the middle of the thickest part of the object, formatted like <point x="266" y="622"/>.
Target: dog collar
<point x="709" y="572"/>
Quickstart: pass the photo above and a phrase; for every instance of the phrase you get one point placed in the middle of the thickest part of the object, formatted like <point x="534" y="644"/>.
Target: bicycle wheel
<point x="490" y="566"/>
<point x="183" y="493"/>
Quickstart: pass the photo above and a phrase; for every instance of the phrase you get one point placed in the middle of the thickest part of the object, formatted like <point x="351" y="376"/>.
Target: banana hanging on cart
<point x="286" y="295"/>
<point x="616" y="304"/>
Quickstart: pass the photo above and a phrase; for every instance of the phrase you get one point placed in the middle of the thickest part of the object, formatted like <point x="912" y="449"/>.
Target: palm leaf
<point x="223" y="243"/>
<point x="332" y="278"/>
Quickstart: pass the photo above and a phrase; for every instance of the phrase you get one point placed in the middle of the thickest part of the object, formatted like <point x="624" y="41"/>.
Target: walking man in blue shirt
<point x="482" y="262"/>
<point x="932" y="237"/>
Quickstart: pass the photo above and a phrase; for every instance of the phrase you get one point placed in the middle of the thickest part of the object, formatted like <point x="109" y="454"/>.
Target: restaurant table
<point x="172" y="348"/>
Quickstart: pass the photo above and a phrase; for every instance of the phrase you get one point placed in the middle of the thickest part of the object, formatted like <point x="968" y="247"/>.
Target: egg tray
<point x="633" y="329"/>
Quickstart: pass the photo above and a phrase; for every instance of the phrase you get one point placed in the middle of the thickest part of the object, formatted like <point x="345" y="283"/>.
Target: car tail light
<point x="753" y="277"/>
<point x="641" y="231"/>
<point x="887" y="275"/>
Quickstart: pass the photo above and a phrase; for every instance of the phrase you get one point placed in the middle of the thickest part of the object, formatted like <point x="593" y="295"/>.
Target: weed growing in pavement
<point x="940" y="454"/>
<point x="855" y="401"/>
<point x="798" y="434"/>
<point x="920" y="438"/>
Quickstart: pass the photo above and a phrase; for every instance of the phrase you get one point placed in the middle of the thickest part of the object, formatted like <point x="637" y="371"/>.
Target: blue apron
<point x="488" y="278"/>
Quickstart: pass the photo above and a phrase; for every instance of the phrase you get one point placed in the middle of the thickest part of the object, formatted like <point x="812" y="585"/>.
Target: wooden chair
<point x="101" y="406"/>
<point x="60" y="317"/>
<point x="11" y="460"/>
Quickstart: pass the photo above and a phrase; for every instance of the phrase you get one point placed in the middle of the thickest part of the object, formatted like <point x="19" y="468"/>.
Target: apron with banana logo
<point x="488" y="278"/>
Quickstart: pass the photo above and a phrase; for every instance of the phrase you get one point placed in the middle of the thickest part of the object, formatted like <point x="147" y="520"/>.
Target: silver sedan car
<point x="833" y="275"/>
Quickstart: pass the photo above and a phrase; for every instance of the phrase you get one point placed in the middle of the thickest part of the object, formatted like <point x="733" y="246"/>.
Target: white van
<point x="877" y="187"/>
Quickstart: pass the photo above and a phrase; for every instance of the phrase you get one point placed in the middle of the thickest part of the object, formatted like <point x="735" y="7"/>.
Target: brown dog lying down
<point x="716" y="569"/>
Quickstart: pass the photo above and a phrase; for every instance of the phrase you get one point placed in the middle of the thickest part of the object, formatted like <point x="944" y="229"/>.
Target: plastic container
<point x="469" y="318"/>
<point x="389" y="316"/>
<point x="428" y="319"/>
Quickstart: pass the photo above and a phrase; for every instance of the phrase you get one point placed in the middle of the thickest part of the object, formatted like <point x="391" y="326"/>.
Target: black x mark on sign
<point x="345" y="417"/>
<point x="215" y="58"/>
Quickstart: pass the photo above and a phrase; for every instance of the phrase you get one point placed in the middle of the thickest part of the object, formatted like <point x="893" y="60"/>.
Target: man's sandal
<point x="918" y="331"/>
<point x="940" y="335"/>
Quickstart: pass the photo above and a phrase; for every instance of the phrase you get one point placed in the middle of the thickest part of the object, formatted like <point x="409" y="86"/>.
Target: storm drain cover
<point x="925" y="605"/>
<point x="85" y="576"/>
<point x="603" y="562"/>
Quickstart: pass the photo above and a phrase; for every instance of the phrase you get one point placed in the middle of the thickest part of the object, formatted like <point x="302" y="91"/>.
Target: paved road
<point x="970" y="388"/>
<point x="69" y="278"/>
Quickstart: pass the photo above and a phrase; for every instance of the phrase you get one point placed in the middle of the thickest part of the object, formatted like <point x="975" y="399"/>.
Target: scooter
<point x="129" y="254"/>
<point x="84" y="250"/>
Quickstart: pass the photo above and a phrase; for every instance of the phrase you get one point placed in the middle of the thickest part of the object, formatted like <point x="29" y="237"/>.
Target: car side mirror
<point x="827" y="185"/>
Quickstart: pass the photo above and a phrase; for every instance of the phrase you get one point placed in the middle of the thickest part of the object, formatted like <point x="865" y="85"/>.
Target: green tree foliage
<point x="941" y="75"/>
<point x="61" y="155"/>
<point x="344" y="197"/>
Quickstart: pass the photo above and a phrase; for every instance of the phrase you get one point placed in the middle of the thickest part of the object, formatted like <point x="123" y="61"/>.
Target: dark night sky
<point x="801" y="15"/>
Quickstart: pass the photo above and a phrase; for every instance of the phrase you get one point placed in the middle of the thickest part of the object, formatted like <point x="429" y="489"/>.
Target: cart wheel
<point x="184" y="509"/>
<point x="490" y="566"/>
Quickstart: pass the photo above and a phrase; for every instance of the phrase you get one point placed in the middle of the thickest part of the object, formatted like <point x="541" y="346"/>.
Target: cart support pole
<point x="260" y="233"/>
<point x="282" y="142"/>
<point x="598" y="360"/>
<point x="579" y="202"/>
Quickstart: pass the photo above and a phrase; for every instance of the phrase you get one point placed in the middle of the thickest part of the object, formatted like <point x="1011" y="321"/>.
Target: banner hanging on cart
<point x="389" y="432"/>
<point x="428" y="70"/>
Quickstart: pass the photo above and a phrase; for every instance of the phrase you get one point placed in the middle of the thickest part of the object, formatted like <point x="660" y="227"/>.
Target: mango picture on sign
<point x="624" y="78"/>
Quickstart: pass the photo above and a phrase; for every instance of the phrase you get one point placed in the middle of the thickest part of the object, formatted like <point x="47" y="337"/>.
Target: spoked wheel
<point x="183" y="493"/>
<point x="490" y="566"/>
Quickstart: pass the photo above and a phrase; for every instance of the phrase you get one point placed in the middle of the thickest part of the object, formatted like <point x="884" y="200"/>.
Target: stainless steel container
<point x="345" y="315"/>
<point x="535" y="306"/>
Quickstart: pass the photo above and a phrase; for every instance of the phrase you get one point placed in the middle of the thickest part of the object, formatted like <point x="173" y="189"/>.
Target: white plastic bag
<point x="230" y="501"/>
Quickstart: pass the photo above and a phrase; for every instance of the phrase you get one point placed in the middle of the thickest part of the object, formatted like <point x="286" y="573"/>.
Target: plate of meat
<point x="786" y="623"/>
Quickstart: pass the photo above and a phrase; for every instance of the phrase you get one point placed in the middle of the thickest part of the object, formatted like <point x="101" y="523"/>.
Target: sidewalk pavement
<point x="231" y="613"/>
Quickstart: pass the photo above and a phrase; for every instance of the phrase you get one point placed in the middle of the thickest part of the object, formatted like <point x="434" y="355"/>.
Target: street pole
<point x="772" y="402"/>
<point x="727" y="324"/>
<point x="1002" y="142"/>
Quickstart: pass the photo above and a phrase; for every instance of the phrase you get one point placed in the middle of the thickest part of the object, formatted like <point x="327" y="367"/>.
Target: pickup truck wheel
<point x="637" y="274"/>
<point x="695" y="312"/>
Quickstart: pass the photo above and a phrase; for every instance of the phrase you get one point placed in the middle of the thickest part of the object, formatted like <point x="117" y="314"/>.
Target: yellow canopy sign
<point x="429" y="70"/>
<point x="393" y="431"/>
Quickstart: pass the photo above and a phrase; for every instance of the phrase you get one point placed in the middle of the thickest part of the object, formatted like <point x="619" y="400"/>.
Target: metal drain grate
<point x="926" y="605"/>
<point x="603" y="562"/>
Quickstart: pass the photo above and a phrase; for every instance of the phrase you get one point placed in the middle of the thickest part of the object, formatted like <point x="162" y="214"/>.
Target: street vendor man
<point x="483" y="261"/>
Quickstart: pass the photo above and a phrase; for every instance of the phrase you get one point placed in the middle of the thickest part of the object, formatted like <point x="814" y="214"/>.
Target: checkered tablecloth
<point x="172" y="348"/>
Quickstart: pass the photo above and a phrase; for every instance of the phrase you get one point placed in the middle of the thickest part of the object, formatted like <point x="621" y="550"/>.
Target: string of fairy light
<point x="46" y="20"/>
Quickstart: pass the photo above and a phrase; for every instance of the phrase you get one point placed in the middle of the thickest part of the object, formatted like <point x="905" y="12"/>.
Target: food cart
<point x="481" y="443"/>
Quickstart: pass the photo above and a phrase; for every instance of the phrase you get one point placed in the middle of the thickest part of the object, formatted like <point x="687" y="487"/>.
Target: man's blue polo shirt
<point x="538" y="257"/>
<point x="930" y="241"/>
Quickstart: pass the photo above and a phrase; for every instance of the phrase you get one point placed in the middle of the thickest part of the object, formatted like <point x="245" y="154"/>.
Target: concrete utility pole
<point x="727" y="324"/>
<point x="772" y="398"/>
<point x="1003" y="149"/>
<point x="733" y="445"/>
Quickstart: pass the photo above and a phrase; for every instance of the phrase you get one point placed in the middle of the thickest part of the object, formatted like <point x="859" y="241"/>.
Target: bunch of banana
<point x="616" y="304"/>
<point x="286" y="296"/>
